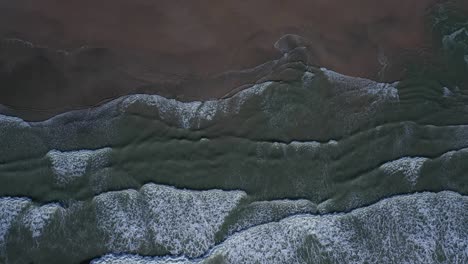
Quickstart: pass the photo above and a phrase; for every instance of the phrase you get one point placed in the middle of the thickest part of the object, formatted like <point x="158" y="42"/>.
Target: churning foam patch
<point x="120" y="216"/>
<point x="10" y="208"/>
<point x="294" y="147"/>
<point x="449" y="41"/>
<point x="135" y="259"/>
<point x="429" y="224"/>
<point x="37" y="218"/>
<point x="417" y="228"/>
<point x="182" y="222"/>
<point x="410" y="167"/>
<point x="261" y="212"/>
<point x="193" y="114"/>
<point x="70" y="165"/>
<point x="308" y="78"/>
<point x="10" y="121"/>
<point x="384" y="91"/>
<point x="446" y="92"/>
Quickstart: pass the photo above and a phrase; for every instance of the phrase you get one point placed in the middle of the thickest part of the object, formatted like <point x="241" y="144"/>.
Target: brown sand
<point x="175" y="47"/>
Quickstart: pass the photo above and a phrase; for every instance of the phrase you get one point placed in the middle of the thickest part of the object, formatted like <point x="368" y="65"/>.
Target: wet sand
<point x="181" y="49"/>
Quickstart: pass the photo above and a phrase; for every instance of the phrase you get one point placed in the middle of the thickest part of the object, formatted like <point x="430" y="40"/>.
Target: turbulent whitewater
<point x="417" y="228"/>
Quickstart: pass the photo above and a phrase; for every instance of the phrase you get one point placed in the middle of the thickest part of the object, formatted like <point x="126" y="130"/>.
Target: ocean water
<point x="416" y="228"/>
<point x="323" y="168"/>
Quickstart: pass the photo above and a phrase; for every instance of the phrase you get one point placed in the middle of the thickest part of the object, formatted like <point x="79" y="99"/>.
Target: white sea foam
<point x="10" y="121"/>
<point x="410" y="167"/>
<point x="37" y="218"/>
<point x="311" y="145"/>
<point x="308" y="78"/>
<point x="181" y="221"/>
<point x="10" y="208"/>
<point x="405" y="229"/>
<point x="384" y="91"/>
<point x="262" y="212"/>
<point x="134" y="259"/>
<point x="296" y="147"/>
<point x="120" y="215"/>
<point x="446" y="91"/>
<point x="192" y="114"/>
<point x="448" y="40"/>
<point x="189" y="115"/>
<point x="256" y="90"/>
<point x="70" y="165"/>
<point x="418" y="229"/>
<point x="449" y="155"/>
<point x="461" y="135"/>
<point x="185" y="222"/>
